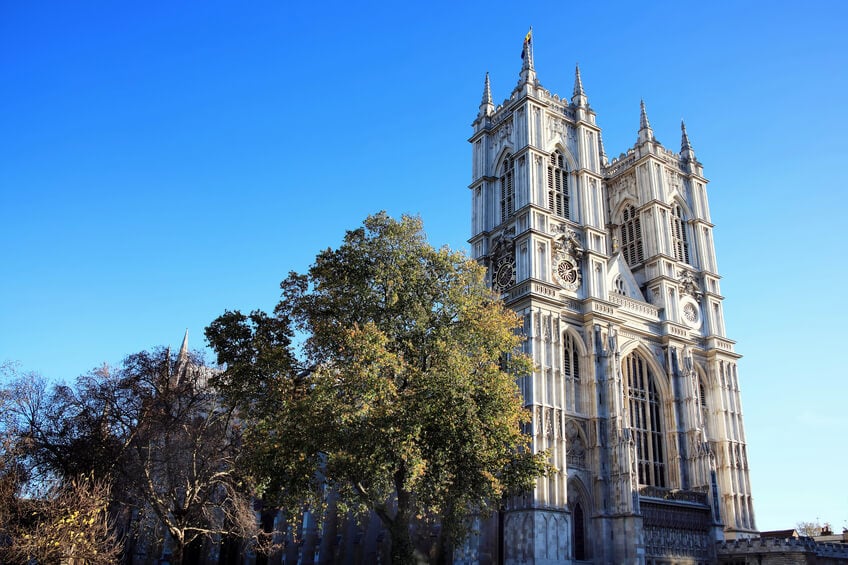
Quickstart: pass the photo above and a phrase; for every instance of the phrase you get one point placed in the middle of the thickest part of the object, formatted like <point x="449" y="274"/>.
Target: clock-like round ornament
<point x="690" y="312"/>
<point x="567" y="272"/>
<point x="504" y="274"/>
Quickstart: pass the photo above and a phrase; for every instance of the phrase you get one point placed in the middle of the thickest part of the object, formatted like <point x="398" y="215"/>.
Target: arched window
<point x="631" y="236"/>
<point x="571" y="372"/>
<point x="702" y="404"/>
<point x="645" y="409"/>
<point x="678" y="235"/>
<point x="558" y="185"/>
<point x="507" y="188"/>
<point x="578" y="532"/>
<point x="619" y="286"/>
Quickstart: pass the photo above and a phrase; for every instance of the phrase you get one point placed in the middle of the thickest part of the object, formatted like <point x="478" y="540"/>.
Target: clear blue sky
<point x="163" y="161"/>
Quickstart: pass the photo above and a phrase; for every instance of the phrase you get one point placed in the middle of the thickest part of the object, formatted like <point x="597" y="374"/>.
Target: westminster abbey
<point x="635" y="395"/>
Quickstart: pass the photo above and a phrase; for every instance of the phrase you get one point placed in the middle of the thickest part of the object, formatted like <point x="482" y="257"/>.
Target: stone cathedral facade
<point x="635" y="394"/>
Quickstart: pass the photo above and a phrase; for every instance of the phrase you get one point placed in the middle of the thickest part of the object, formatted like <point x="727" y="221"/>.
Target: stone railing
<point x="715" y="342"/>
<point x="532" y="286"/>
<point x="789" y="550"/>
<point x="635" y="306"/>
<point x="674" y="494"/>
<point x="620" y="163"/>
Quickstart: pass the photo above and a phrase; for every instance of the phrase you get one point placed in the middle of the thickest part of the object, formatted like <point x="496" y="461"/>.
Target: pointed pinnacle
<point x="578" y="83"/>
<point x="643" y="116"/>
<point x="183" y="355"/>
<point x="684" y="138"/>
<point x="601" y="150"/>
<point x="487" y="92"/>
<point x="527" y="51"/>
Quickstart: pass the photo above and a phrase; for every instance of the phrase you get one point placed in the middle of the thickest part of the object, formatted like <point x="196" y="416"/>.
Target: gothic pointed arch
<point x="580" y="505"/>
<point x="702" y="399"/>
<point x="573" y="371"/>
<point x="559" y="195"/>
<point x="630" y="241"/>
<point x="644" y="394"/>
<point x="679" y="227"/>
<point x="505" y="173"/>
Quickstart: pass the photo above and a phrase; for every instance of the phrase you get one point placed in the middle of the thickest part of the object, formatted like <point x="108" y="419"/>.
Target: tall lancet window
<point x="645" y="411"/>
<point x="678" y="235"/>
<point x="578" y="532"/>
<point x="631" y="236"/>
<point x="507" y="188"/>
<point x="571" y="372"/>
<point x="558" y="185"/>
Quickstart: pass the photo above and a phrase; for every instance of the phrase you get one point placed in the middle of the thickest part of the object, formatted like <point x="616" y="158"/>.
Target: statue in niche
<point x="689" y="285"/>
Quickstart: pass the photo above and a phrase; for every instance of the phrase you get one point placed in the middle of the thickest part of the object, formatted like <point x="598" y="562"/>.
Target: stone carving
<point x="689" y="285"/>
<point x="672" y="179"/>
<point x="556" y="127"/>
<point x="575" y="451"/>
<point x="503" y="260"/>
<point x="539" y="424"/>
<point x="567" y="256"/>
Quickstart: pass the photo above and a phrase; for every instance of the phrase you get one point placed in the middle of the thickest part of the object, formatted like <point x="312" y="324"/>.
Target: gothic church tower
<point x="635" y="393"/>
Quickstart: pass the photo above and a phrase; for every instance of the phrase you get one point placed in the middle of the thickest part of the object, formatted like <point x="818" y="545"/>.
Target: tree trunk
<point x="177" y="551"/>
<point x="403" y="552"/>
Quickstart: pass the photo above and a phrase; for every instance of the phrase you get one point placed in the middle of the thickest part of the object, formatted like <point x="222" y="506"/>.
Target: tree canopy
<point x="402" y="396"/>
<point x="128" y="453"/>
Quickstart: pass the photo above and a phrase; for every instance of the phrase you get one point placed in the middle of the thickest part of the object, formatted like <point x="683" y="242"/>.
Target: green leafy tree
<point x="404" y="401"/>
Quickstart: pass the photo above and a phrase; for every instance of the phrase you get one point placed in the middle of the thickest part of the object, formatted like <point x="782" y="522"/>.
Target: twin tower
<point x="635" y="392"/>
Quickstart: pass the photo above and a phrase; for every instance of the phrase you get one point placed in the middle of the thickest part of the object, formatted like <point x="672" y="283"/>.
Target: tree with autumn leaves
<point x="401" y="397"/>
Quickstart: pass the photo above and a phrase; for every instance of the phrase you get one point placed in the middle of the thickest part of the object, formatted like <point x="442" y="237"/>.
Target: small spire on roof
<point x="686" y="150"/>
<point x="645" y="131"/>
<point x="684" y="138"/>
<point x="527" y="51"/>
<point x="643" y="116"/>
<point x="578" y="83"/>
<point x="184" y="347"/>
<point x="487" y="107"/>
<point x="601" y="152"/>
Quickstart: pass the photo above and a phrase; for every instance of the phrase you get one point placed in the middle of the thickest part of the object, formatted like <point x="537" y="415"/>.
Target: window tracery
<point x="679" y="239"/>
<point x="631" y="236"/>
<point x="558" y="197"/>
<point x="507" y="188"/>
<point x="645" y="414"/>
<point x="571" y="372"/>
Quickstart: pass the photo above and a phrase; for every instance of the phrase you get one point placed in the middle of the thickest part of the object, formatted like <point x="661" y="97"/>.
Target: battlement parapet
<point x="801" y="550"/>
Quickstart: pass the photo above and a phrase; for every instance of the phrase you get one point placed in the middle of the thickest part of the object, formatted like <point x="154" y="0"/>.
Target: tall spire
<point x="645" y="131"/>
<point x="578" y="98"/>
<point x="183" y="355"/>
<point x="578" y="82"/>
<point x="643" y="116"/>
<point x="684" y="138"/>
<point x="686" y="150"/>
<point x="487" y="107"/>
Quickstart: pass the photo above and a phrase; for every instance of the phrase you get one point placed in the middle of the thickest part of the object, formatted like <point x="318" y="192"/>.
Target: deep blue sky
<point x="161" y="162"/>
